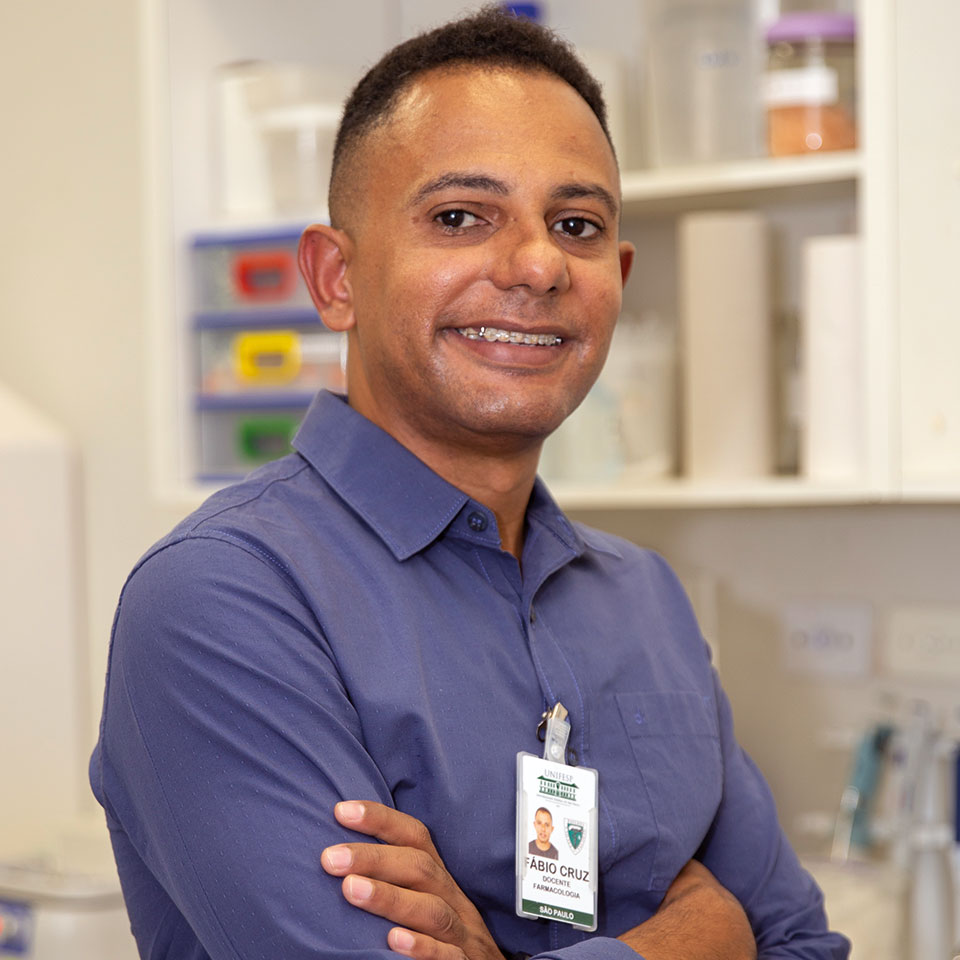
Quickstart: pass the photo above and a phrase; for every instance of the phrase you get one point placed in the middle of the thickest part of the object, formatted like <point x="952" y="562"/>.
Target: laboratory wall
<point x="71" y="280"/>
<point x="75" y="343"/>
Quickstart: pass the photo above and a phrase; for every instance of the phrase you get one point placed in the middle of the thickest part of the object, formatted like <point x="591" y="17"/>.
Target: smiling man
<point x="320" y="681"/>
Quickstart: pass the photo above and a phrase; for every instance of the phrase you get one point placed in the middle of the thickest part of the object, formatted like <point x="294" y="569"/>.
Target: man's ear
<point x="627" y="252"/>
<point x="324" y="256"/>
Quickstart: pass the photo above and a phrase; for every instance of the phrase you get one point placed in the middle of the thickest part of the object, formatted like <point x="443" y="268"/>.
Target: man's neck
<point x="501" y="482"/>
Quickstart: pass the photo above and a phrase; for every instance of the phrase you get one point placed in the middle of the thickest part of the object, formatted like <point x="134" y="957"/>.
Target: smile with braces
<point x="494" y="334"/>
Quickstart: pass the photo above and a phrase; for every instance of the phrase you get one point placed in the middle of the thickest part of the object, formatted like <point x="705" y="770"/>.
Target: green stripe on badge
<point x="557" y="913"/>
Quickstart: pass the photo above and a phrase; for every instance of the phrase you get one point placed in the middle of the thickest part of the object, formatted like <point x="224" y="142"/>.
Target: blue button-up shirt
<point x="344" y="625"/>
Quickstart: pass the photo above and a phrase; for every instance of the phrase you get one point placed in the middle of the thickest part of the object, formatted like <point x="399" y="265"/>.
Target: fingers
<point x="401" y="866"/>
<point x="420" y="912"/>
<point x="404" y="880"/>
<point x="421" y="947"/>
<point x="386" y="824"/>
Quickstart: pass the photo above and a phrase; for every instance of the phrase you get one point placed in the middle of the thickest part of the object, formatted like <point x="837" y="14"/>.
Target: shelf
<point x="254" y="401"/>
<point x="259" y="317"/>
<point x="248" y="231"/>
<point x="943" y="492"/>
<point x="772" y="492"/>
<point x="667" y="494"/>
<point x="745" y="182"/>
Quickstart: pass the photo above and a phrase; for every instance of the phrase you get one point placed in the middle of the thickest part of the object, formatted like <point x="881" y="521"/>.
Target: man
<point x="320" y="681"/>
<point x="540" y="845"/>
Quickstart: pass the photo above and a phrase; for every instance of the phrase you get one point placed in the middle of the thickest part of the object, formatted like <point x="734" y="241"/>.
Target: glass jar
<point x="810" y="85"/>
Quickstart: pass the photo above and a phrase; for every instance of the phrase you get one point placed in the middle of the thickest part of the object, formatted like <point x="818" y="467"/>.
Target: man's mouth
<point x="518" y="337"/>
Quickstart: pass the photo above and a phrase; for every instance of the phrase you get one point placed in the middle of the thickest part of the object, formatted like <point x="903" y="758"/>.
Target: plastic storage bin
<point x="236" y="438"/>
<point x="810" y="87"/>
<point x="248" y="272"/>
<point x="301" y="358"/>
<point x="704" y="66"/>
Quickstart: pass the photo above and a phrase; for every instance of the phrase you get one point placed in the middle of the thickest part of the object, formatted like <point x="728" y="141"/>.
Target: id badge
<point x="556" y="858"/>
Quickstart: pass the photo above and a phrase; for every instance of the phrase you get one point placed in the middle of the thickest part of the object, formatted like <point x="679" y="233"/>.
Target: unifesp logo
<point x="556" y="789"/>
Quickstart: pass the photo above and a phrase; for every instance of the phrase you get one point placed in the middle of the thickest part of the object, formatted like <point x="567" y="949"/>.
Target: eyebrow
<point x="467" y="181"/>
<point x="574" y="190"/>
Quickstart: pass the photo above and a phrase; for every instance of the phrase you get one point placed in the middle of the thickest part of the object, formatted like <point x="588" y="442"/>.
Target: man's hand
<point x="404" y="880"/>
<point x="697" y="920"/>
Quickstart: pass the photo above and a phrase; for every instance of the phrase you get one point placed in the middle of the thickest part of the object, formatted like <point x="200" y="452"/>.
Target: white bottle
<point x="931" y="895"/>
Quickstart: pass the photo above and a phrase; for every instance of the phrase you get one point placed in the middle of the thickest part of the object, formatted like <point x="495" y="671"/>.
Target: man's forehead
<point x="450" y="118"/>
<point x="465" y="97"/>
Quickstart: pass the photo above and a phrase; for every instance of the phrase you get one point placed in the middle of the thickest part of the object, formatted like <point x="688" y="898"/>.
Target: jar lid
<point x="812" y="25"/>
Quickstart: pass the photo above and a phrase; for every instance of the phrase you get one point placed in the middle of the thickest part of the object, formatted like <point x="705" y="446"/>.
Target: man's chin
<point x="525" y="423"/>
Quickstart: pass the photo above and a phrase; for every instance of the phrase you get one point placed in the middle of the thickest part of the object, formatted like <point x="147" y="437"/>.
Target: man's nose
<point x="529" y="256"/>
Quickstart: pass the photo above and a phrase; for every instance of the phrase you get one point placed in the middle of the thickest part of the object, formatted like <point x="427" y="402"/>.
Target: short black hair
<point x="493" y="37"/>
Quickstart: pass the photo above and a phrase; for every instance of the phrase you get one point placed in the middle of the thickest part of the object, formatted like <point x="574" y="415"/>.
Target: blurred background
<point x="779" y="415"/>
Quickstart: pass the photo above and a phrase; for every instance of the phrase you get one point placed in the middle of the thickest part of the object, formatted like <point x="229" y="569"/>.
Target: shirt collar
<point x="397" y="494"/>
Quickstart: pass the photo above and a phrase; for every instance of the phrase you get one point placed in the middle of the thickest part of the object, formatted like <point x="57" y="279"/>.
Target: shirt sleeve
<point x="598" y="948"/>
<point x="227" y="738"/>
<point x="748" y="853"/>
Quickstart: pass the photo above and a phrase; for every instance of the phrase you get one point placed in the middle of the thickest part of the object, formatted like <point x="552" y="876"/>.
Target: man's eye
<point x="455" y="219"/>
<point x="577" y="227"/>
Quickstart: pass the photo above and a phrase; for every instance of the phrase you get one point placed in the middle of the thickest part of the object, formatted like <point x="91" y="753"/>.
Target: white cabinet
<point x="801" y="197"/>
<point x="928" y="249"/>
<point x="909" y="160"/>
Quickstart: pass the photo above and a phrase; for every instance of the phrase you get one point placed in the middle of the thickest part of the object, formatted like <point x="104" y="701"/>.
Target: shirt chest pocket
<point x="676" y="744"/>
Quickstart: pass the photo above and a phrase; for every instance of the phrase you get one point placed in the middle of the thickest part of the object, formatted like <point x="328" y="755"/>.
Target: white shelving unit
<point x="677" y="493"/>
<point x="745" y="183"/>
<point x="840" y="192"/>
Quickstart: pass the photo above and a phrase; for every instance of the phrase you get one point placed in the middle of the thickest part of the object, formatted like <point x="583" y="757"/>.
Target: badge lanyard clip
<point x="554" y="730"/>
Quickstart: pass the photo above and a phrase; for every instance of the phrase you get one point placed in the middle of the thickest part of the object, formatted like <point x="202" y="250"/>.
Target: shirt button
<point x="477" y="522"/>
<point x="533" y="615"/>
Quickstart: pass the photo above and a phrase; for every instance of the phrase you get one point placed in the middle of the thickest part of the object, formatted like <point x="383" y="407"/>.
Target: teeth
<point x="492" y="334"/>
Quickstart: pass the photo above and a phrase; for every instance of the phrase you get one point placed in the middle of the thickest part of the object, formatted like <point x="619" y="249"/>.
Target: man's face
<point x="543" y="824"/>
<point x="489" y="203"/>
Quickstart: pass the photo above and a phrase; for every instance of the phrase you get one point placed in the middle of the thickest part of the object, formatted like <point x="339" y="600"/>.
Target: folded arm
<point x="404" y="880"/>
